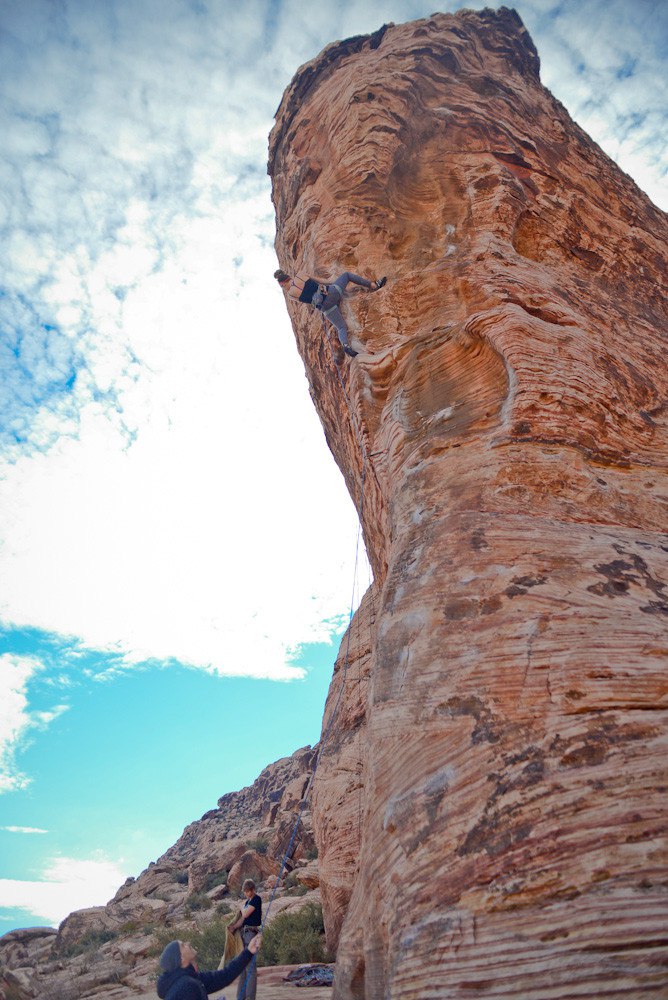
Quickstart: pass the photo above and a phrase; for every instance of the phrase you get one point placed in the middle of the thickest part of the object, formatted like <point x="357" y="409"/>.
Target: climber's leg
<point x="348" y="276"/>
<point x="335" y="317"/>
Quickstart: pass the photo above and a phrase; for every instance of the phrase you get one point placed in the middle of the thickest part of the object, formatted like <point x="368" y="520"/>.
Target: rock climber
<point x="249" y="923"/>
<point x="182" y="980"/>
<point x="327" y="297"/>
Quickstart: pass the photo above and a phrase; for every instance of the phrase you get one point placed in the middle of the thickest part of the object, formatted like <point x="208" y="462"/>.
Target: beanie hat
<point x="171" y="957"/>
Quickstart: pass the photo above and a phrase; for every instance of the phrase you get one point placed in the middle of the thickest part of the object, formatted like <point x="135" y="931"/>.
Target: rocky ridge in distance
<point x="111" y="951"/>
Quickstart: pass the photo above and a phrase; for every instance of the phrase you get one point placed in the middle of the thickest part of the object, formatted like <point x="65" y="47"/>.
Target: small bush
<point x="129" y="927"/>
<point x="223" y="908"/>
<point x="294" y="887"/>
<point x="181" y="877"/>
<point x="215" y="879"/>
<point x="163" y="935"/>
<point x="209" y="942"/>
<point x="311" y="854"/>
<point x="294" y="938"/>
<point x="198" y="901"/>
<point x="259" y="844"/>
<point x="91" y="941"/>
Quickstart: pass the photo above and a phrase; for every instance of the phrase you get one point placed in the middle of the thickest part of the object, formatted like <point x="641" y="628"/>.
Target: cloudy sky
<point x="176" y="544"/>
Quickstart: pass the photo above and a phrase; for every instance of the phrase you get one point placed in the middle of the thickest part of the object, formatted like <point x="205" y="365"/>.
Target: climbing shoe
<point x="377" y="285"/>
<point x="350" y="352"/>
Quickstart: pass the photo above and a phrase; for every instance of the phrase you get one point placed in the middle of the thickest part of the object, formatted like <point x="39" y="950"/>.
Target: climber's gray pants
<point x="330" y="306"/>
<point x="247" y="985"/>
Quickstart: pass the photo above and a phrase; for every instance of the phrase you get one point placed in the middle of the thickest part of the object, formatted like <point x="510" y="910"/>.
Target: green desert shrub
<point x="259" y="844"/>
<point x="90" y="941"/>
<point x="163" y="935"/>
<point x="197" y="901"/>
<point x="210" y="944"/>
<point x="294" y="938"/>
<point x="215" y="879"/>
<point x="293" y="887"/>
<point x="209" y="941"/>
<point x="130" y="927"/>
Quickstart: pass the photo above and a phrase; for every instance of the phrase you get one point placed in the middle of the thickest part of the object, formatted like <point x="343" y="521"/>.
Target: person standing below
<point x="249" y="924"/>
<point x="327" y="297"/>
<point x="180" y="978"/>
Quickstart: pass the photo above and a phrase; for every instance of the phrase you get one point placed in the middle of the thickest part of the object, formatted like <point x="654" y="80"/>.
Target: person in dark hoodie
<point x="181" y="979"/>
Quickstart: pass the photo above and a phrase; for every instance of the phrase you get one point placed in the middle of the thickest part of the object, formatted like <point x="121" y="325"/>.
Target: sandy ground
<point x="271" y="986"/>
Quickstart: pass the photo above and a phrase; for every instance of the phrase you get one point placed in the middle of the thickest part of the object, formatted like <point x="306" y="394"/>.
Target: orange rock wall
<point x="511" y="399"/>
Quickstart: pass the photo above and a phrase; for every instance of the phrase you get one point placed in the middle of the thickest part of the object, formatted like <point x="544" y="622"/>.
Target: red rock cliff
<point x="511" y="397"/>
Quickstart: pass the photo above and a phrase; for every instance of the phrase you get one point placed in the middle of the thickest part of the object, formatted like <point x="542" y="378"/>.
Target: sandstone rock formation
<point x="510" y="402"/>
<point x="110" y="951"/>
<point x="339" y="785"/>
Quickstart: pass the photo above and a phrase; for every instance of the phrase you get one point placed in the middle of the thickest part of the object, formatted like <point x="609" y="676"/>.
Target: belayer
<point x="327" y="297"/>
<point x="180" y="978"/>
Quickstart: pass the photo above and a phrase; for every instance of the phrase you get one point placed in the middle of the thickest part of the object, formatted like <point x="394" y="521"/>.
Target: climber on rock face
<point x="327" y="297"/>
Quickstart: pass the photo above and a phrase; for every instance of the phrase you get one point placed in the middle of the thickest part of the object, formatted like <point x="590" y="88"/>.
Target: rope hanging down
<point x="325" y="735"/>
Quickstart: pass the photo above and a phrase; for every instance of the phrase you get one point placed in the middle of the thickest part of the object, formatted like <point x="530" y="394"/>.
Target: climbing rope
<point x="325" y="736"/>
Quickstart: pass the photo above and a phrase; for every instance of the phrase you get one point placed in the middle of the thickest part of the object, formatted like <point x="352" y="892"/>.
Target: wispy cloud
<point x="155" y="410"/>
<point x="17" y="719"/>
<point x="166" y="492"/>
<point x="23" y="829"/>
<point x="66" y="884"/>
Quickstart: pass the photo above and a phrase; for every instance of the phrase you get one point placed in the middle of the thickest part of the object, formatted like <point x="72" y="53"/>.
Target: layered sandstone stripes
<point x="512" y="401"/>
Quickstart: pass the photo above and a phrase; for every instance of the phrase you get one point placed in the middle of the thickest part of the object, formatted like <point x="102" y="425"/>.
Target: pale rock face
<point x="252" y="865"/>
<point x="94" y="919"/>
<point x="11" y="988"/>
<point x="227" y="855"/>
<point x="510" y="402"/>
<point x="19" y="947"/>
<point x="308" y="875"/>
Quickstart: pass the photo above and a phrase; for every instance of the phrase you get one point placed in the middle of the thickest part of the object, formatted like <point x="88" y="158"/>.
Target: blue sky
<point x="176" y="544"/>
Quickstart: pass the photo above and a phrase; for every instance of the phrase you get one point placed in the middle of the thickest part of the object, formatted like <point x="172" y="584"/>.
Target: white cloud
<point x="177" y="547"/>
<point x="67" y="884"/>
<point x="166" y="491"/>
<point x="23" y="829"/>
<point x="15" y="716"/>
<point x="17" y="719"/>
<point x="158" y="503"/>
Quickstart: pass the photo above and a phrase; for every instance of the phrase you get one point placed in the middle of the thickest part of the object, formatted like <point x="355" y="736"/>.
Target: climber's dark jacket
<point x="189" y="984"/>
